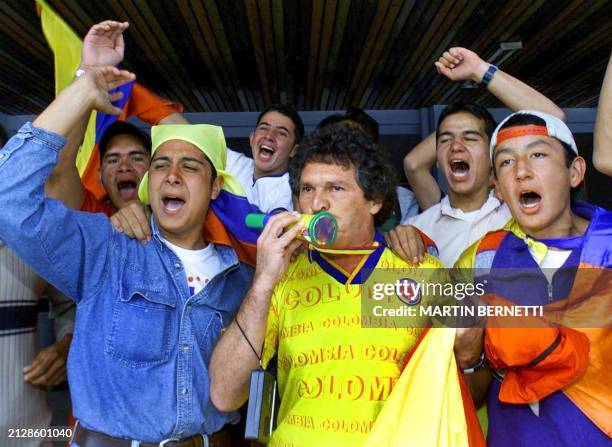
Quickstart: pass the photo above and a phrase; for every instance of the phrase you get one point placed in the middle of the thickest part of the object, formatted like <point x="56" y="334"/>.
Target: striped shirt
<point x="22" y="405"/>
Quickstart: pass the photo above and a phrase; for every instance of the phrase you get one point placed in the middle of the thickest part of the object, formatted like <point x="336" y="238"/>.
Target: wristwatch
<point x="488" y="75"/>
<point x="477" y="366"/>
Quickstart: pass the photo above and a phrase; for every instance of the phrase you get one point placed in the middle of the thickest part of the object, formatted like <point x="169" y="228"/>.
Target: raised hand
<point x="461" y="64"/>
<point x="103" y="44"/>
<point x="102" y="79"/>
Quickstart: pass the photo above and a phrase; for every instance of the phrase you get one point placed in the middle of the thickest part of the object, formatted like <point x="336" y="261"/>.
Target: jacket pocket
<point x="142" y="326"/>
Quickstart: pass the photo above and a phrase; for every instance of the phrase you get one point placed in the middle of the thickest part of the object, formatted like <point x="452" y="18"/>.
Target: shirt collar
<point x="227" y="255"/>
<point x="363" y="269"/>
<point x="280" y="174"/>
<point x="491" y="204"/>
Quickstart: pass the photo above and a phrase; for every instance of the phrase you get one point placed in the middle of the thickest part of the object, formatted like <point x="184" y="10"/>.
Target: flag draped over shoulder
<point x="137" y="100"/>
<point x="430" y="404"/>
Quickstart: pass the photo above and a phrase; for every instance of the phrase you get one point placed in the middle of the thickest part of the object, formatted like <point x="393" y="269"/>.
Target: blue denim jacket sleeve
<point x="67" y="248"/>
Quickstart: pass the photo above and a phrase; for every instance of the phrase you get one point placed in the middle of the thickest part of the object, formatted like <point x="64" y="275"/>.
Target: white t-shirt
<point x="453" y="230"/>
<point x="200" y="265"/>
<point x="266" y="193"/>
<point x="553" y="260"/>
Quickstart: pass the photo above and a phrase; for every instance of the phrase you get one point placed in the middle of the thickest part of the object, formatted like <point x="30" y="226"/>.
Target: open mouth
<point x="172" y="204"/>
<point x="266" y="152"/>
<point x="529" y="200"/>
<point x="459" y="168"/>
<point x="127" y="189"/>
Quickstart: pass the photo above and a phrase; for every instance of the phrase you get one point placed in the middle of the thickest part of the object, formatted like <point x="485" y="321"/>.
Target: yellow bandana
<point x="209" y="139"/>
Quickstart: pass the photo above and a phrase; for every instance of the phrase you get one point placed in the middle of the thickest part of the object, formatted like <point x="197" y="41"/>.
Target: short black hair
<point x="289" y="112"/>
<point x="525" y="119"/>
<point x="347" y="146"/>
<point x="331" y="119"/>
<point x="122" y="128"/>
<point x="367" y="124"/>
<point x="3" y="136"/>
<point x="474" y="109"/>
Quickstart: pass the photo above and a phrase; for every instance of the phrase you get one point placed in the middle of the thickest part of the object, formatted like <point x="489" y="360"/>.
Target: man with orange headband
<point x="552" y="382"/>
<point x="148" y="314"/>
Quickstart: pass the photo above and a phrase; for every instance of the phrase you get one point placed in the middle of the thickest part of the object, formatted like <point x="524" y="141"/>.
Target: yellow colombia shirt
<point x="333" y="375"/>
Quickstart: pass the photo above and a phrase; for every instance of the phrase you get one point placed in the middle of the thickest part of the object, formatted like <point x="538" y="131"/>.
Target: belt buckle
<point x="166" y="441"/>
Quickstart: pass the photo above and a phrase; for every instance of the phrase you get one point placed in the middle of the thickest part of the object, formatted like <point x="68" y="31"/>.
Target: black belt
<point x="89" y="438"/>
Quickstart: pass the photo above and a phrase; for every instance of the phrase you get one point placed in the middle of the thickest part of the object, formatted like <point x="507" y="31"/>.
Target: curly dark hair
<point x="347" y="146"/>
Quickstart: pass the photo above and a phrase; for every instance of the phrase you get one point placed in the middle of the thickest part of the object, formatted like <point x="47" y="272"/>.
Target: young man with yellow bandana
<point x="148" y="315"/>
<point x="334" y="372"/>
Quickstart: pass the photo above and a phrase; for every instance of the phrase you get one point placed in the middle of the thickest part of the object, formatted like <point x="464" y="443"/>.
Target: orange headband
<point x="520" y="131"/>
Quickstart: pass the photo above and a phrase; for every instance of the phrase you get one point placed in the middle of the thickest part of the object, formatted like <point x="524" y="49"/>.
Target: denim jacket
<point x="138" y="365"/>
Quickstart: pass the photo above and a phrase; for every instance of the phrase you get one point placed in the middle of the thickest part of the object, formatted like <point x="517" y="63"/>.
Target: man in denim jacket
<point x="138" y="367"/>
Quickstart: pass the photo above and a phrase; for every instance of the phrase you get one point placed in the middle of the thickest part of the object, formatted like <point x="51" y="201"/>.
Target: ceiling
<point x="230" y="55"/>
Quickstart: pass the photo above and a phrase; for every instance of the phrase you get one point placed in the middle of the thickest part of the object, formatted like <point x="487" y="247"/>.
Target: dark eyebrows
<point x="500" y="151"/>
<point x="193" y="159"/>
<point x="265" y="123"/>
<point x="137" y="152"/>
<point x="329" y="183"/>
<point x="531" y="145"/>
<point x="464" y="133"/>
<point x="168" y="159"/>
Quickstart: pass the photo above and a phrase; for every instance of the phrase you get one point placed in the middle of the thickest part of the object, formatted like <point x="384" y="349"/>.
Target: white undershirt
<point x="552" y="261"/>
<point x="200" y="265"/>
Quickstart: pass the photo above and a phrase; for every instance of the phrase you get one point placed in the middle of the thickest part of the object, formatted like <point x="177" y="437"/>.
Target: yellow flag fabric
<point x="336" y="363"/>
<point x="66" y="47"/>
<point x="425" y="408"/>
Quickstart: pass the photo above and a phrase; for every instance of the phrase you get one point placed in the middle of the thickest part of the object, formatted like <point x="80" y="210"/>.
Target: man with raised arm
<point x="148" y="314"/>
<point x="460" y="147"/>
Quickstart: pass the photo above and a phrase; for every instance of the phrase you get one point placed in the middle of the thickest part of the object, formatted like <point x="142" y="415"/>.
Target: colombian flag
<point x="136" y="101"/>
<point x="430" y="404"/>
<point x="225" y="220"/>
<point x="567" y="350"/>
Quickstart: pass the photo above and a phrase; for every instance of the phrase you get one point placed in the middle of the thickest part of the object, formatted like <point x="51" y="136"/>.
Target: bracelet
<point x="259" y="357"/>
<point x="80" y="72"/>
<point x="488" y="75"/>
<point x="477" y="366"/>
